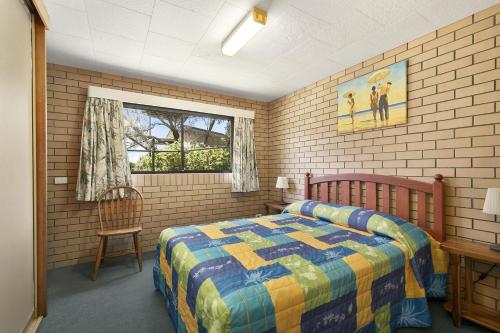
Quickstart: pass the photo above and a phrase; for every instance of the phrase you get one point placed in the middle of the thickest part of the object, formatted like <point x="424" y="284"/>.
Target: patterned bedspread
<point x="315" y="268"/>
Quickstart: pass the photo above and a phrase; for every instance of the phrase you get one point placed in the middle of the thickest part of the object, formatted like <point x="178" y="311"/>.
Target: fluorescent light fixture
<point x="244" y="31"/>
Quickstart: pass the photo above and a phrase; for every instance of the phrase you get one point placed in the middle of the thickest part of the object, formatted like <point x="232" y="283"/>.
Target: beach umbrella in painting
<point x="346" y="94"/>
<point x="379" y="75"/>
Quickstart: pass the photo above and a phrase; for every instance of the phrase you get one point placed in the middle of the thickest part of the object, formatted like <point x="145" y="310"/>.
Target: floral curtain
<point x="245" y="173"/>
<point x="103" y="155"/>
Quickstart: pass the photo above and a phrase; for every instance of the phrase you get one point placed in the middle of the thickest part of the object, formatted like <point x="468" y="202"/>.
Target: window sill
<point x="177" y="172"/>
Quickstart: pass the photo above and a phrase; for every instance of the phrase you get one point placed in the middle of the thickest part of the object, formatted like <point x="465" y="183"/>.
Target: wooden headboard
<point x="348" y="189"/>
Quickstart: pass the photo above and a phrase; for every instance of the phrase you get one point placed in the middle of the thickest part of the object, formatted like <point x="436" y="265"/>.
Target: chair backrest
<point x="120" y="207"/>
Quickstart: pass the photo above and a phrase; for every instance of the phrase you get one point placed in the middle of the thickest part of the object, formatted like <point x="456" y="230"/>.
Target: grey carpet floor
<point x="124" y="300"/>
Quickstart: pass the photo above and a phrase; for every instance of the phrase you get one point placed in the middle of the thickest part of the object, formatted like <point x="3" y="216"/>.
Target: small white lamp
<point x="282" y="183"/>
<point x="492" y="206"/>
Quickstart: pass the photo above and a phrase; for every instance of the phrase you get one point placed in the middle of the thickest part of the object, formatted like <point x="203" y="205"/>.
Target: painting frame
<point x="374" y="100"/>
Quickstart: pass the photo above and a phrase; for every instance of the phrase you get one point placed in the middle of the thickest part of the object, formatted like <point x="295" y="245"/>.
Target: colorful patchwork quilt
<point x="314" y="268"/>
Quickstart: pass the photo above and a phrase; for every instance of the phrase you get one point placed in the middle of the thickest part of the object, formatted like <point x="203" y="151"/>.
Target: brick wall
<point x="169" y="199"/>
<point x="453" y="128"/>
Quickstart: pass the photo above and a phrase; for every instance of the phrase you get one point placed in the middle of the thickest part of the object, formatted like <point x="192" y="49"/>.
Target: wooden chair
<point x="120" y="211"/>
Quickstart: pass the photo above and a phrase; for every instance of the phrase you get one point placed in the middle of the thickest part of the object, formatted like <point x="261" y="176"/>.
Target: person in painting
<point x="383" y="104"/>
<point x="374" y="102"/>
<point x="350" y="101"/>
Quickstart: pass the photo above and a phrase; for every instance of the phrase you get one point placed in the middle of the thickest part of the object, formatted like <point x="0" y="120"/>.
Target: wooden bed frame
<point x="342" y="188"/>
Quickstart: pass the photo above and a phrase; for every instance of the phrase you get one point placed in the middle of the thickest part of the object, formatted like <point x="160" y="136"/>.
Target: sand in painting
<point x="364" y="120"/>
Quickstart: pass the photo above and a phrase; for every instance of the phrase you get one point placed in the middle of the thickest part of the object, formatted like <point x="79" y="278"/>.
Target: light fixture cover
<point x="244" y="31"/>
<point x="492" y="201"/>
<point x="282" y="182"/>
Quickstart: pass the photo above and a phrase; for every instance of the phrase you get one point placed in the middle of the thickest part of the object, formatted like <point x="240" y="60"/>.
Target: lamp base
<point x="495" y="247"/>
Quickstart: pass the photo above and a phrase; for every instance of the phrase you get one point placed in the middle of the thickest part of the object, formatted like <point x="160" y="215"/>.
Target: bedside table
<point x="276" y="206"/>
<point x="473" y="312"/>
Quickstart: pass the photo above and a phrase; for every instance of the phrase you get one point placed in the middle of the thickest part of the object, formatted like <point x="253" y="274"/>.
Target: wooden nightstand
<point x="466" y="308"/>
<point x="276" y="206"/>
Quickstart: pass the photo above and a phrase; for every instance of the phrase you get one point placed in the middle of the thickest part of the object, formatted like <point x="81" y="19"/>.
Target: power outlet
<point x="60" y="180"/>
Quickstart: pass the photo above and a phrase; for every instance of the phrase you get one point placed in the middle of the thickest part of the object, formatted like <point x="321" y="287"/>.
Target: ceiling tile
<point x="306" y="75"/>
<point x="224" y="22"/>
<point x="70" y="50"/>
<point x="355" y="52"/>
<point x="117" y="45"/>
<point x="113" y="19"/>
<point x="167" y="47"/>
<point x="73" y="4"/>
<point x="258" y="49"/>
<point x="345" y="25"/>
<point x="205" y="7"/>
<point x="141" y="6"/>
<point x="291" y="25"/>
<point x="69" y="44"/>
<point x="321" y="9"/>
<point x="122" y="63"/>
<point x="383" y="11"/>
<point x="400" y="31"/>
<point x="307" y="52"/>
<point x="160" y="67"/>
<point x="449" y="11"/>
<point x="178" y="22"/>
<point x="279" y="69"/>
<point x="246" y="5"/>
<point x="68" y="21"/>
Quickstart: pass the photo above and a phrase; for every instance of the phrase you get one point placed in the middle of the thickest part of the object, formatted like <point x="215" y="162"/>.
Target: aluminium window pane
<point x="208" y="159"/>
<point x="166" y="130"/>
<point x="167" y="161"/>
<point x="202" y="132"/>
<point x="137" y="129"/>
<point x="140" y="161"/>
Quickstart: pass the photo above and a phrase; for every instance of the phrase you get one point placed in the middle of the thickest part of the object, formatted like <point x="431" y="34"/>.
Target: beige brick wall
<point x="453" y="128"/>
<point x="170" y="199"/>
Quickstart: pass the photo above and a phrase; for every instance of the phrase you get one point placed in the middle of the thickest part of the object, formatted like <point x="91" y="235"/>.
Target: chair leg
<point x="98" y="258"/>
<point x="105" y="247"/>
<point x="138" y="250"/>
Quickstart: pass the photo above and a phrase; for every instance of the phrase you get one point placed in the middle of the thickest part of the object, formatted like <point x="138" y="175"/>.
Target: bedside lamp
<point x="492" y="206"/>
<point x="282" y="183"/>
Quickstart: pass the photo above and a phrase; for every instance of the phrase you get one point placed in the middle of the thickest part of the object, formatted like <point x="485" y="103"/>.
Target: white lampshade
<point x="492" y="201"/>
<point x="282" y="182"/>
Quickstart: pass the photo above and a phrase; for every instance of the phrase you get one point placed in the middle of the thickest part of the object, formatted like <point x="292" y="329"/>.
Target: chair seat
<point x="119" y="231"/>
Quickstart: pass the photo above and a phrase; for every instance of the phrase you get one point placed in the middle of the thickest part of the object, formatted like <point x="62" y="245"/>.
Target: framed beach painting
<point x="374" y="100"/>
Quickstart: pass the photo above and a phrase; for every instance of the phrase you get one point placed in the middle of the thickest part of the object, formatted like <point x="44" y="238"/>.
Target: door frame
<point x="40" y="23"/>
<point x="40" y="99"/>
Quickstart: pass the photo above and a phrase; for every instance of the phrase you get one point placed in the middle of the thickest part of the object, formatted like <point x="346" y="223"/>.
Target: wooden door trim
<point x="40" y="100"/>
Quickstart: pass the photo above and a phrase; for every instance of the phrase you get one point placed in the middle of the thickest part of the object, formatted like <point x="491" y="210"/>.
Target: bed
<point x="345" y="259"/>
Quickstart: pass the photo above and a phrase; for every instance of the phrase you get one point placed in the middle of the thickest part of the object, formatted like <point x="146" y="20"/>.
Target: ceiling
<point x="178" y="41"/>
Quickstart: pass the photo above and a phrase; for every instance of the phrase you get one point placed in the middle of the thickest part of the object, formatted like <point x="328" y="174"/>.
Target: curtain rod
<point x="166" y="102"/>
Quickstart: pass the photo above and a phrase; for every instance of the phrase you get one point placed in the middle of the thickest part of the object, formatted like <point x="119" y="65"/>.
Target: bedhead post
<point x="307" y="187"/>
<point x="438" y="204"/>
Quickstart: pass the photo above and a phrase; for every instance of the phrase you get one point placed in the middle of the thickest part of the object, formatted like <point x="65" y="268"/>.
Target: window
<point x="161" y="140"/>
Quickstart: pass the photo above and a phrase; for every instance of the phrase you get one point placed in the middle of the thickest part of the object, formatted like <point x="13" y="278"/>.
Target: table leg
<point x="457" y="311"/>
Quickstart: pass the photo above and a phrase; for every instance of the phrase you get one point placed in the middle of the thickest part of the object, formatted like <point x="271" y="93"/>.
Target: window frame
<point x="183" y="114"/>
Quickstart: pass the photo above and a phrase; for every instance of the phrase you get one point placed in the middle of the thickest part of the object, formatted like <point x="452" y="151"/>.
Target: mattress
<point x="314" y="268"/>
